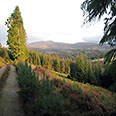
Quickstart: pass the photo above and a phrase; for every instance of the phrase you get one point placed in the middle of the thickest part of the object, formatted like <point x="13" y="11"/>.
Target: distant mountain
<point x="60" y="45"/>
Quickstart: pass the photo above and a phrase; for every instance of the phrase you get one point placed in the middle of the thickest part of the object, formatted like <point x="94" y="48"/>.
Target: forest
<point x="63" y="83"/>
<point x="71" y="54"/>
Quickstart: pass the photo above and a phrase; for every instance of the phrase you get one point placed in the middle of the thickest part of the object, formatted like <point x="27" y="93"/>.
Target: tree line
<point x="92" y="9"/>
<point x="50" y="62"/>
<point x="80" y="69"/>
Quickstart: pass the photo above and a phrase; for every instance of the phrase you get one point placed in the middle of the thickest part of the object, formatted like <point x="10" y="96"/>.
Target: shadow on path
<point x="9" y="100"/>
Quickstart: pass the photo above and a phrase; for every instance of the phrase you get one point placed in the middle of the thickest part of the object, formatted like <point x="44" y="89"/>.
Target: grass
<point x="1" y="62"/>
<point x="103" y="95"/>
<point x="82" y="99"/>
<point x="4" y="77"/>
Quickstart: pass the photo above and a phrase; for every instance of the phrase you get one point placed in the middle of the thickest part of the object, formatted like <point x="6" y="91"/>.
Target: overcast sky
<point x="56" y="20"/>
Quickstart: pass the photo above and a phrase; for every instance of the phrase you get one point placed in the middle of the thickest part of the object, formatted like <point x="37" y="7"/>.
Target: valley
<point x="49" y="78"/>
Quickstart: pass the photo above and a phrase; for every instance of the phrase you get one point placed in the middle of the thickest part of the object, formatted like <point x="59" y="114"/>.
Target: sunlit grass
<point x="1" y="62"/>
<point x="98" y="95"/>
<point x="108" y="98"/>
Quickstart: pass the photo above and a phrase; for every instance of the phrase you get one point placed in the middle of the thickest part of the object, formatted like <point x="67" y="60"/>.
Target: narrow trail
<point x="9" y="100"/>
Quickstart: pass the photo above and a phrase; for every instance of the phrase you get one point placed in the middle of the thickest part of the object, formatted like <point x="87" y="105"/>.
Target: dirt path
<point x="9" y="100"/>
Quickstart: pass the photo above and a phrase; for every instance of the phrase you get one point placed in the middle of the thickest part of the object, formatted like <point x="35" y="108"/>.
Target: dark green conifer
<point x="95" y="9"/>
<point x="16" y="35"/>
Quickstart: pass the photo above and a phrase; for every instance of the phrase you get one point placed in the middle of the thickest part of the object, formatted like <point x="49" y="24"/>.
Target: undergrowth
<point x="1" y="62"/>
<point x="83" y="99"/>
<point x="39" y="96"/>
<point x="4" y="77"/>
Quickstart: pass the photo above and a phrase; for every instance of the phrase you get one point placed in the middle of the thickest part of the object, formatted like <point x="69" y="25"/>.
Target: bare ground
<point x="10" y="104"/>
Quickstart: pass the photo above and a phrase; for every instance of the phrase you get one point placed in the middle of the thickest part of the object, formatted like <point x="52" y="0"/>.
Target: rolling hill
<point x="60" y="45"/>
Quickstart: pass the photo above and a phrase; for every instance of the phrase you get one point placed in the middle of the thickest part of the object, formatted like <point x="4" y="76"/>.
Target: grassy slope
<point x="82" y="99"/>
<point x="2" y="61"/>
<point x="4" y="77"/>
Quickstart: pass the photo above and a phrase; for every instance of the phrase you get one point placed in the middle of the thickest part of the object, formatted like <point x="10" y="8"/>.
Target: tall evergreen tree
<point x="56" y="64"/>
<point x="82" y="70"/>
<point x="16" y="35"/>
<point x="95" y="9"/>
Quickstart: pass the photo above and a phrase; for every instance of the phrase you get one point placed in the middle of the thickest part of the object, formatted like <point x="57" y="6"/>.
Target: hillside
<point x="60" y="45"/>
<point x="52" y="94"/>
<point x="2" y="61"/>
<point x="81" y="99"/>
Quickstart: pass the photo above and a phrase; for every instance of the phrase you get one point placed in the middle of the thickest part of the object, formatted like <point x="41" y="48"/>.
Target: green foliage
<point x="47" y="101"/>
<point x="76" y="86"/>
<point x="47" y="61"/>
<point x="3" y="52"/>
<point x="73" y="71"/>
<point x="27" y="81"/>
<point x="83" y="99"/>
<point x="39" y="96"/>
<point x="4" y="77"/>
<point x="109" y="76"/>
<point x="56" y="65"/>
<point x="95" y="9"/>
<point x="34" y="57"/>
<point x="67" y="70"/>
<point x="92" y="53"/>
<point x="16" y="35"/>
<point x="98" y="72"/>
<point x="82" y="70"/>
<point x="110" y="56"/>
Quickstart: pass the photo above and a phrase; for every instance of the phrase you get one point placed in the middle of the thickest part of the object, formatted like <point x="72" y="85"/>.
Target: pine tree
<point x="67" y="68"/>
<point x="16" y="35"/>
<point x="49" y="62"/>
<point x="82" y="70"/>
<point x="56" y="65"/>
<point x="95" y="9"/>
<point x="73" y="71"/>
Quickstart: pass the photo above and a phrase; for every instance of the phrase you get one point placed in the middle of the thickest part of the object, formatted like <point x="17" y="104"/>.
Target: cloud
<point x="3" y="34"/>
<point x="31" y="38"/>
<point x="56" y="20"/>
<point x="94" y="39"/>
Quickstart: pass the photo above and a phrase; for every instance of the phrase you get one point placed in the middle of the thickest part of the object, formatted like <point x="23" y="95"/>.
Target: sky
<point x="56" y="20"/>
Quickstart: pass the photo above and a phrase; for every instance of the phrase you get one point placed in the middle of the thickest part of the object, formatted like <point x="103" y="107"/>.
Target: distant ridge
<point x="61" y="45"/>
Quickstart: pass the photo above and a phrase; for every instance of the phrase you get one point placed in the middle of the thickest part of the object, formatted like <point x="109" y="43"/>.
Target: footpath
<point x="10" y="104"/>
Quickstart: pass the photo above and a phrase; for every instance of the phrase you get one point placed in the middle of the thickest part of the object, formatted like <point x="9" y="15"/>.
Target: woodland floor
<point x="10" y="104"/>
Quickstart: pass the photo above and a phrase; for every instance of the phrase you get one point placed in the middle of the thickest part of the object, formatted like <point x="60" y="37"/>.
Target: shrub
<point x="39" y="96"/>
<point x="82" y="70"/>
<point x="3" y="52"/>
<point x="109" y="77"/>
<point x="47" y="101"/>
